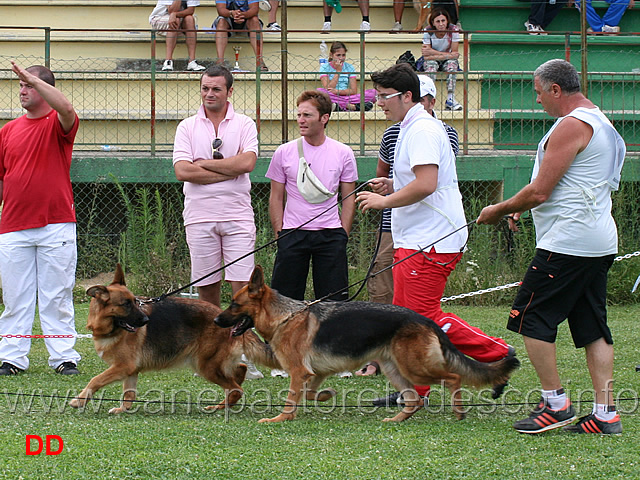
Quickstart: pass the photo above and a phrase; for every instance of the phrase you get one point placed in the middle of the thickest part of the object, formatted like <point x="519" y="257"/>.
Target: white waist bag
<point x="310" y="187"/>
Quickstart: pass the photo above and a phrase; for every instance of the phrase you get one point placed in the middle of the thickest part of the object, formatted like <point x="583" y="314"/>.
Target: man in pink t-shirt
<point x="213" y="153"/>
<point x="323" y="240"/>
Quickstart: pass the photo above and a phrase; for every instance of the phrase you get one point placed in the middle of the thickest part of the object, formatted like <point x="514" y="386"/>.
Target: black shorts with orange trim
<point x="558" y="287"/>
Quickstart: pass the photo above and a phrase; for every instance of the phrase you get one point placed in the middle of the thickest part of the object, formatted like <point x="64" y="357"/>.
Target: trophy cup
<point x="236" y="67"/>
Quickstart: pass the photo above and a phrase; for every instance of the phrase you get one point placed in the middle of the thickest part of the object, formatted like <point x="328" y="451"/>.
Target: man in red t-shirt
<point x="38" y="224"/>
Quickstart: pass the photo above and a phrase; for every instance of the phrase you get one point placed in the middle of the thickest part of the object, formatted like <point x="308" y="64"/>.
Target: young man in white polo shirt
<point x="426" y="206"/>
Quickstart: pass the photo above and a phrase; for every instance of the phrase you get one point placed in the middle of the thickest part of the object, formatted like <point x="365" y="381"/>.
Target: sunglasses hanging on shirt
<point x="217" y="143"/>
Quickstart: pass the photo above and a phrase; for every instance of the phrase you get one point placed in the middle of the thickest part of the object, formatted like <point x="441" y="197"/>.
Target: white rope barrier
<point x="444" y="299"/>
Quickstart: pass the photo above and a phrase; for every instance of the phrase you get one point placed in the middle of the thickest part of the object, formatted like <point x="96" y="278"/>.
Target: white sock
<point x="556" y="399"/>
<point x="604" y="412"/>
<point x="450" y="97"/>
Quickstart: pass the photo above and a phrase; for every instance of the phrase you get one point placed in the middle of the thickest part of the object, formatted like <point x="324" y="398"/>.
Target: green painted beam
<point x="514" y="170"/>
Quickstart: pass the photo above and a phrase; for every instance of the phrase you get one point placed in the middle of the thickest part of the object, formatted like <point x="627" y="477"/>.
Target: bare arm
<point x="382" y="169"/>
<point x="429" y="53"/>
<point x="232" y="166"/>
<point x="187" y="171"/>
<point x="348" y="205"/>
<point x="276" y="206"/>
<point x="569" y="138"/>
<point x="425" y="184"/>
<point x="240" y="16"/>
<point x="54" y="97"/>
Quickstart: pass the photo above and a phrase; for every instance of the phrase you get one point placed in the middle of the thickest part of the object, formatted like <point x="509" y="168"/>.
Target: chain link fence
<point x="134" y="109"/>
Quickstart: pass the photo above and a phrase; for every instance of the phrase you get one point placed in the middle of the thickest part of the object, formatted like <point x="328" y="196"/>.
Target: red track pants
<point x="419" y="284"/>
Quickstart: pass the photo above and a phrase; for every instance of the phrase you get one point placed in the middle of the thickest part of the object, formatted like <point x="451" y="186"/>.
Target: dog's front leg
<point x="128" y="394"/>
<point x="412" y="405"/>
<point x="298" y="379"/>
<point x="110" y="375"/>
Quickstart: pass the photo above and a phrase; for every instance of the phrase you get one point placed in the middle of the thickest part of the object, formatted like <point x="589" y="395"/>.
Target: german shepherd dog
<point x="132" y="336"/>
<point x="314" y="341"/>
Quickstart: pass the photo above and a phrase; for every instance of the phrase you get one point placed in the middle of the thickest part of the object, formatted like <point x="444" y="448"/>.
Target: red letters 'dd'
<point x="46" y="444"/>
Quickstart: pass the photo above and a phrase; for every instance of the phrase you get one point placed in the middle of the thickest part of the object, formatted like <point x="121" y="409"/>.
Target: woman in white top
<point x="440" y="52"/>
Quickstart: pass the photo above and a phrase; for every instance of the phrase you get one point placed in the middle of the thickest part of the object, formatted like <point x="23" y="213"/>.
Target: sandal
<point x="370" y="369"/>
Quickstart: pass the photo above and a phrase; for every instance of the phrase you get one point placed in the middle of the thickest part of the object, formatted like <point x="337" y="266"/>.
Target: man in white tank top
<point x="578" y="164"/>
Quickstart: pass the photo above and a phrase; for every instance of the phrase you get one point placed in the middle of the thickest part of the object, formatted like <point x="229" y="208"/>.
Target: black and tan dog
<point x="132" y="336"/>
<point x="314" y="341"/>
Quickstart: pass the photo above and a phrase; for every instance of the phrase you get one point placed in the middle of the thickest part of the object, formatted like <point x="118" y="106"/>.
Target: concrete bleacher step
<point x="523" y="52"/>
<point x="510" y="15"/>
<point x="125" y="29"/>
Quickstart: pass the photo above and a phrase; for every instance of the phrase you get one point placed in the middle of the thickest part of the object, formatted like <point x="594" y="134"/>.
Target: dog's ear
<point x="118" y="277"/>
<point x="256" y="284"/>
<point x="99" y="292"/>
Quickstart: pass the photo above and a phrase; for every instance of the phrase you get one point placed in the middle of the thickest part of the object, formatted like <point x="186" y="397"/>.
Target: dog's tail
<point x="479" y="374"/>
<point x="258" y="351"/>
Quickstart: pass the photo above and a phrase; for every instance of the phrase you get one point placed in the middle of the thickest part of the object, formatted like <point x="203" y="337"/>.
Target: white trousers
<point x="38" y="264"/>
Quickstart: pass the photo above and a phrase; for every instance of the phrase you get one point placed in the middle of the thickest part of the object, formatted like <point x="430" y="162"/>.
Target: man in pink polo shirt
<point x="323" y="241"/>
<point x="213" y="153"/>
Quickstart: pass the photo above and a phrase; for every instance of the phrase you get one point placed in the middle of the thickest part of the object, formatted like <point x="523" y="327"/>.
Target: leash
<point x="178" y="290"/>
<point x="417" y="252"/>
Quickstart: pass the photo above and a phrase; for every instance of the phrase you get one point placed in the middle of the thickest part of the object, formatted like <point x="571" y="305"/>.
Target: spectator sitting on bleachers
<point x="541" y="15"/>
<point x="238" y="15"/>
<point x="365" y="26"/>
<point x="440" y="52"/>
<point x="339" y="81"/>
<point x="611" y="19"/>
<point x="170" y="17"/>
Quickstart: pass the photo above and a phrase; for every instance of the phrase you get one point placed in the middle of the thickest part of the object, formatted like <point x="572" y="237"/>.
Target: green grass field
<point x="173" y="437"/>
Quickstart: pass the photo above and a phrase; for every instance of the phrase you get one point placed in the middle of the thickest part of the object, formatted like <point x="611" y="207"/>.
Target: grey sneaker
<point x="543" y="418"/>
<point x="591" y="424"/>
<point x="326" y="27"/>
<point x="397" y="27"/>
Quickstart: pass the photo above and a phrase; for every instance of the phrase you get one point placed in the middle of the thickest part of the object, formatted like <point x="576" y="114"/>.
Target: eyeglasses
<point x="217" y="143"/>
<point x="380" y="96"/>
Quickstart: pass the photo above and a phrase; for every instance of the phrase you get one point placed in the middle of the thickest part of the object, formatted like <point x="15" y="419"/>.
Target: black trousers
<point x="542" y="12"/>
<point x="326" y="252"/>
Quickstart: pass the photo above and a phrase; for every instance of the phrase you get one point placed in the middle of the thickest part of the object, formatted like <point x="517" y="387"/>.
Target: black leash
<point x="178" y="290"/>
<point x="371" y="275"/>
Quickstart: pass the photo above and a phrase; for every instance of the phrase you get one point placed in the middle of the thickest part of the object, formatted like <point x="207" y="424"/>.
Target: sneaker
<point x="336" y="108"/>
<point x="534" y="29"/>
<point x="609" y="29"/>
<point x="279" y="373"/>
<point x="452" y="105"/>
<point x="367" y="106"/>
<point x="252" y="372"/>
<point x="397" y="27"/>
<point x="592" y="424"/>
<point x="344" y="374"/>
<point x="274" y="28"/>
<point x="9" y="369"/>
<point x="326" y="27"/>
<point x="395" y="399"/>
<point x="365" y="26"/>
<point x="67" y="368"/>
<point x="194" y="66"/>
<point x="543" y="419"/>
<point x="167" y="66"/>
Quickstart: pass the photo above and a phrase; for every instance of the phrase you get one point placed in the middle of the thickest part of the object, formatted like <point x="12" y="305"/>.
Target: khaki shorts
<point x="161" y="23"/>
<point x="212" y="244"/>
